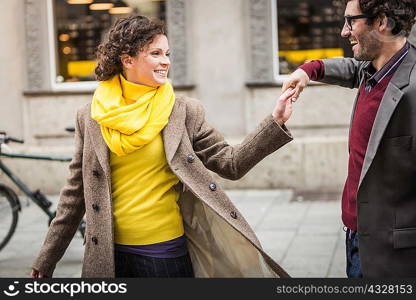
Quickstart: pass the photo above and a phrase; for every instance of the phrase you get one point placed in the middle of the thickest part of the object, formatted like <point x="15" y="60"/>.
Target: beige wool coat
<point x="220" y="241"/>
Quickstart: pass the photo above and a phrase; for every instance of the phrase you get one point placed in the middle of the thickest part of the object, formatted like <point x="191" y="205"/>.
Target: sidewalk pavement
<point x="302" y="233"/>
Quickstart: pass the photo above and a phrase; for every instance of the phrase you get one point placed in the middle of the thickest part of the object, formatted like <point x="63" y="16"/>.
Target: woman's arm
<point x="69" y="213"/>
<point x="233" y="162"/>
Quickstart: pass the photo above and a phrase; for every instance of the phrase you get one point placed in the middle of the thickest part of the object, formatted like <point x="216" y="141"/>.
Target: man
<point x="379" y="198"/>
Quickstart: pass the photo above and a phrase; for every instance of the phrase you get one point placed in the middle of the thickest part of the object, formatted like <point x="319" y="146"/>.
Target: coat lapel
<point x="100" y="147"/>
<point x="173" y="131"/>
<point x="388" y="104"/>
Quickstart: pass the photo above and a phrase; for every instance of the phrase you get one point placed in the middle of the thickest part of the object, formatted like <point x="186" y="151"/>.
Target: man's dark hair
<point x="127" y="36"/>
<point x="400" y="13"/>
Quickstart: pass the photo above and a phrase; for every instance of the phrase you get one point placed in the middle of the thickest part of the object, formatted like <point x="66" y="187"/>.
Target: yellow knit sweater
<point x="145" y="205"/>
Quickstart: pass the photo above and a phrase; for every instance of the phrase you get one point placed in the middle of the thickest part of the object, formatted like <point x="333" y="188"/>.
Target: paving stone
<point x="275" y="243"/>
<point x="307" y="266"/>
<point x="312" y="246"/>
<point x="304" y="237"/>
<point x="338" y="263"/>
<point x="17" y="257"/>
<point x="284" y="216"/>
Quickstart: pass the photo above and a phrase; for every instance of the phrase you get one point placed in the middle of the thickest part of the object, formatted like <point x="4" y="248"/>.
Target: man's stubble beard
<point x="369" y="46"/>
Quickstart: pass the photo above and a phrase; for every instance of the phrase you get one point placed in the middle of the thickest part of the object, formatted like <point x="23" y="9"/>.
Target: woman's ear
<point x="126" y="61"/>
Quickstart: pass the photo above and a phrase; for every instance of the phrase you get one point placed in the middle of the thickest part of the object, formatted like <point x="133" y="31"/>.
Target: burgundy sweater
<point x="361" y="126"/>
<point x="370" y="95"/>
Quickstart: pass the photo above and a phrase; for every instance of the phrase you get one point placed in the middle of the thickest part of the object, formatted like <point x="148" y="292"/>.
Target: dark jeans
<point x="353" y="257"/>
<point x="133" y="265"/>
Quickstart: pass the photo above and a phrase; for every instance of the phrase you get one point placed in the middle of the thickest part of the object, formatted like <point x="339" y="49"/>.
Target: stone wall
<point x="315" y="160"/>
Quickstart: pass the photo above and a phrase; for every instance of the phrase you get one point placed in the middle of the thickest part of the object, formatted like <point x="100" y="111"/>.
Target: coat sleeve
<point x="342" y="71"/>
<point x="69" y="212"/>
<point x="233" y="162"/>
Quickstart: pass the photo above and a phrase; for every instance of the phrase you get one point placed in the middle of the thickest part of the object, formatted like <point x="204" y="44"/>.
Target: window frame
<point x="263" y="63"/>
<point x="53" y="54"/>
<point x="41" y="52"/>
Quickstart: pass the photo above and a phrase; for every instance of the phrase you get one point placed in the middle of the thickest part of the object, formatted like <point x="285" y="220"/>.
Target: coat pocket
<point x="404" y="238"/>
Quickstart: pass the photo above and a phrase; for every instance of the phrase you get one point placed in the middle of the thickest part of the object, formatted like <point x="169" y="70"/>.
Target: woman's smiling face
<point x="151" y="65"/>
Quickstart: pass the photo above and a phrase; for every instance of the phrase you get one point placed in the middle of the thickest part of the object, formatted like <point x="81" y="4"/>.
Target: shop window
<point x="308" y="30"/>
<point x="80" y="26"/>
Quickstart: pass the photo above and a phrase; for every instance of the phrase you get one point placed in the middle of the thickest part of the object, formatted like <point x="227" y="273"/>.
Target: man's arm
<point x="342" y="71"/>
<point x="339" y="71"/>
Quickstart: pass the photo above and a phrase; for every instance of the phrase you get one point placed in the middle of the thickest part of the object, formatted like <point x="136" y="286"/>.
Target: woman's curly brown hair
<point x="400" y="13"/>
<point x="127" y="36"/>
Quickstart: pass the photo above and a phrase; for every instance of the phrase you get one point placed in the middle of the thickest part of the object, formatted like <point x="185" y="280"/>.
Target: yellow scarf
<point x="131" y="115"/>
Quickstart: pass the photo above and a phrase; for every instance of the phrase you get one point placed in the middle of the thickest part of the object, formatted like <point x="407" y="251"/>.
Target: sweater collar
<point x="133" y="91"/>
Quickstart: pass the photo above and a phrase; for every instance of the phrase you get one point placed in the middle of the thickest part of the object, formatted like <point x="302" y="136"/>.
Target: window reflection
<point x="309" y="29"/>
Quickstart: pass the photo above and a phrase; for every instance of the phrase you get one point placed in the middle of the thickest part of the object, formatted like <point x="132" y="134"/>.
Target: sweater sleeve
<point x="315" y="69"/>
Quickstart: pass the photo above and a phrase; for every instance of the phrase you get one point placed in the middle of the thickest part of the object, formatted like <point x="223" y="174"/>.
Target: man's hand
<point x="298" y="80"/>
<point x="37" y="274"/>
<point x="283" y="108"/>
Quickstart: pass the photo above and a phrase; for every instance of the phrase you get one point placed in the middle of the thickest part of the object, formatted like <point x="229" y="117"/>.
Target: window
<point x="80" y="26"/>
<point x="282" y="34"/>
<point x="48" y="31"/>
<point x="307" y="30"/>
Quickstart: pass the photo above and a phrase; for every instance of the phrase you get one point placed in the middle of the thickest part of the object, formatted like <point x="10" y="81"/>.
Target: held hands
<point x="298" y="80"/>
<point x="292" y="87"/>
<point x="283" y="109"/>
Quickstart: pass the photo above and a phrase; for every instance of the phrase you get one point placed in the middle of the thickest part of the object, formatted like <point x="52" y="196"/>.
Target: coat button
<point x="233" y="215"/>
<point x="190" y="159"/>
<point x="95" y="173"/>
<point x="213" y="187"/>
<point x="94" y="240"/>
<point x="95" y="207"/>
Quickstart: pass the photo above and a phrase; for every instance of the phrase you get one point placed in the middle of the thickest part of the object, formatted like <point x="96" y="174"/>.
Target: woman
<point x="140" y="174"/>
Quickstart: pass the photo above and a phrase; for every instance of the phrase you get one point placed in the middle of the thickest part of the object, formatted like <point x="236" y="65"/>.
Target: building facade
<point x="232" y="55"/>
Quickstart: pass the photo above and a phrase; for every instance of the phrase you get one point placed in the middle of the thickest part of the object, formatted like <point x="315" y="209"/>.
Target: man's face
<point x="365" y="45"/>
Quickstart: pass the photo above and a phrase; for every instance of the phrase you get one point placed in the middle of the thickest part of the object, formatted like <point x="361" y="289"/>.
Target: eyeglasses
<point x="348" y="19"/>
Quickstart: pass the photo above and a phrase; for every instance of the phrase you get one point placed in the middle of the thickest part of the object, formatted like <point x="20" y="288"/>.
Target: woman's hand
<point x="283" y="109"/>
<point x="36" y="274"/>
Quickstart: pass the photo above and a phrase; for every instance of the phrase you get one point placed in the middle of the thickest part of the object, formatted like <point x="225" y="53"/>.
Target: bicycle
<point x="10" y="204"/>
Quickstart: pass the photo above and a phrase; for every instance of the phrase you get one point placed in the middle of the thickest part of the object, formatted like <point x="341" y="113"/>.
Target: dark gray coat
<point x="387" y="189"/>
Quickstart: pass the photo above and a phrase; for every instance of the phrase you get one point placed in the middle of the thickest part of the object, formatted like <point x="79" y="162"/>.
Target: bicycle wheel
<point x="8" y="217"/>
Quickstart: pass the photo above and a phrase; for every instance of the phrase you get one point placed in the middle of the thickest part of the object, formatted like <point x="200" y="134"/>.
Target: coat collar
<point x="172" y="134"/>
<point x="391" y="99"/>
<point x="173" y="131"/>
<point x="100" y="147"/>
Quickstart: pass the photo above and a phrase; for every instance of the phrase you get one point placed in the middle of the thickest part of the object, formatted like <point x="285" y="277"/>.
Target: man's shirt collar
<point x="372" y="77"/>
